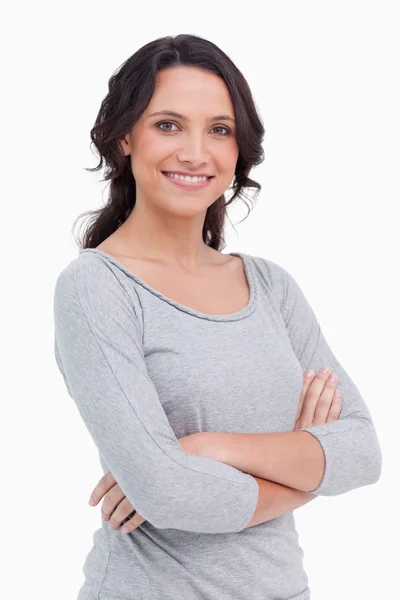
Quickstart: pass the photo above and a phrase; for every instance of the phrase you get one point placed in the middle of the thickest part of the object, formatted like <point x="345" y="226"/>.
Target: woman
<point x="190" y="367"/>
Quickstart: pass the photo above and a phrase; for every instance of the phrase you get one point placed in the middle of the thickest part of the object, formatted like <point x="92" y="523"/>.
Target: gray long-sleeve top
<point x="145" y="371"/>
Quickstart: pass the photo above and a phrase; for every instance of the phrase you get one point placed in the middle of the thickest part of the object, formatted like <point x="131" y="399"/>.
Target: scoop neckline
<point x="236" y="316"/>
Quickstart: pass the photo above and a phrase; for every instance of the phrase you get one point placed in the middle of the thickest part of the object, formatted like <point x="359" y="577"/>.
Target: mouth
<point x="186" y="181"/>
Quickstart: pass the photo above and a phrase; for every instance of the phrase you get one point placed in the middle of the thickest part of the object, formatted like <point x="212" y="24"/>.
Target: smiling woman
<point x="196" y="139"/>
<point x="162" y="339"/>
<point x="210" y="127"/>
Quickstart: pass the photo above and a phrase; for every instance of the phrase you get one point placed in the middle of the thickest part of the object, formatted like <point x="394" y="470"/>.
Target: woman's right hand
<point x="320" y="401"/>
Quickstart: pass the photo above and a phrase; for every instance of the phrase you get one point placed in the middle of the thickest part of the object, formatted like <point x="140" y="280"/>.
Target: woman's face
<point x="196" y="142"/>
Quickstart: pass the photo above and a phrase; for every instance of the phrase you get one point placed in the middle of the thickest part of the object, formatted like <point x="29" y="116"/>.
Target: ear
<point x="124" y="145"/>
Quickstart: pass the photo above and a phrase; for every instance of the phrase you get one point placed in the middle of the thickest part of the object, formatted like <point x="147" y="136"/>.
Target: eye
<point x="224" y="128"/>
<point x="165" y="123"/>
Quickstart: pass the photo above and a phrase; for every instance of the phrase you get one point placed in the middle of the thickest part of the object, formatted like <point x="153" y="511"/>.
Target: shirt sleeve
<point x="352" y="451"/>
<point x="99" y="352"/>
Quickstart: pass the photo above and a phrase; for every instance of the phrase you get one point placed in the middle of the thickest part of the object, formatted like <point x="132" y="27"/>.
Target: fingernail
<point x="124" y="529"/>
<point x="111" y="525"/>
<point x="325" y="369"/>
<point x="92" y="501"/>
<point x="309" y="373"/>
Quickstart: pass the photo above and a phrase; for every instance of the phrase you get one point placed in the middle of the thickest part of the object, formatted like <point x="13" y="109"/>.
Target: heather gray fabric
<point x="144" y="371"/>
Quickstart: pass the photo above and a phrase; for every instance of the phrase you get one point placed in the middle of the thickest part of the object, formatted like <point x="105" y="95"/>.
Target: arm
<point x="293" y="459"/>
<point x="275" y="500"/>
<point x="99" y="352"/>
<point x="350" y="445"/>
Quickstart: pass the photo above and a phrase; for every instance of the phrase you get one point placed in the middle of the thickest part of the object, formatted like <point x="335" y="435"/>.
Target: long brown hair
<point x="130" y="89"/>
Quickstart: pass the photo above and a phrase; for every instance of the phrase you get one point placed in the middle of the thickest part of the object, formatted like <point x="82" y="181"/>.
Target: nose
<point x="193" y="150"/>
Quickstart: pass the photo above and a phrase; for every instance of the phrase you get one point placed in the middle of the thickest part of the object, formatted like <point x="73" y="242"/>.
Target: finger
<point x="111" y="501"/>
<point x="307" y="379"/>
<point x="122" y="511"/>
<point x="105" y="484"/>
<point x="310" y="401"/>
<point x="132" y="523"/>
<point x="336" y="407"/>
<point x="325" y="400"/>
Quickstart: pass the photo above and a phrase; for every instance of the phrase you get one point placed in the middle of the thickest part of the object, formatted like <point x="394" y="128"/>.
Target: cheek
<point x="151" y="152"/>
<point x="160" y="152"/>
<point x="227" y="150"/>
<point x="149" y="144"/>
<point x="226" y="158"/>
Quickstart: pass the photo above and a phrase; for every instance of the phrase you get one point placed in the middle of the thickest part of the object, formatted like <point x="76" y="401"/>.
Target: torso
<point x="220" y="289"/>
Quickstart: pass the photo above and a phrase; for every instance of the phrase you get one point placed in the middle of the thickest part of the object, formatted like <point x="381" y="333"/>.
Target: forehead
<point x="190" y="90"/>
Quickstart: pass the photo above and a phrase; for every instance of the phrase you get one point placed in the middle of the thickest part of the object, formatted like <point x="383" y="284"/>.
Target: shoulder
<point x="273" y="274"/>
<point x="90" y="288"/>
<point x="87" y="270"/>
<point x="91" y="281"/>
<point x="278" y="280"/>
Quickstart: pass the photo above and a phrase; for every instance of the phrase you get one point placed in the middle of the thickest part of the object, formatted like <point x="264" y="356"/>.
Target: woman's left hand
<point x="115" y="507"/>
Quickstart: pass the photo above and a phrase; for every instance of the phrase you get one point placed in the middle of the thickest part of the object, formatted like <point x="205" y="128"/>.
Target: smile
<point x="186" y="181"/>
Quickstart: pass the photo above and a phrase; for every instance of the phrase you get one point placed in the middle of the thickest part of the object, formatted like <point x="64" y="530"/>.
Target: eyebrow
<point x="179" y="116"/>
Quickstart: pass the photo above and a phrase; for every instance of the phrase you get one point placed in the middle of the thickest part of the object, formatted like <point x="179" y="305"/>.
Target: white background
<point x="325" y="78"/>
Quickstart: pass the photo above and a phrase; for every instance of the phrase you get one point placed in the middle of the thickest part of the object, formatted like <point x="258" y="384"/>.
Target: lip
<point x="191" y="174"/>
<point x="187" y="184"/>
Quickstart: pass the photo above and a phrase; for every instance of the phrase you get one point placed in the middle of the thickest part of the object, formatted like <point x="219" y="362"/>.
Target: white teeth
<point x="187" y="177"/>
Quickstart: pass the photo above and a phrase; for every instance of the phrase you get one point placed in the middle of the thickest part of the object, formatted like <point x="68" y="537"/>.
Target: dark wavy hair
<point x="130" y="89"/>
